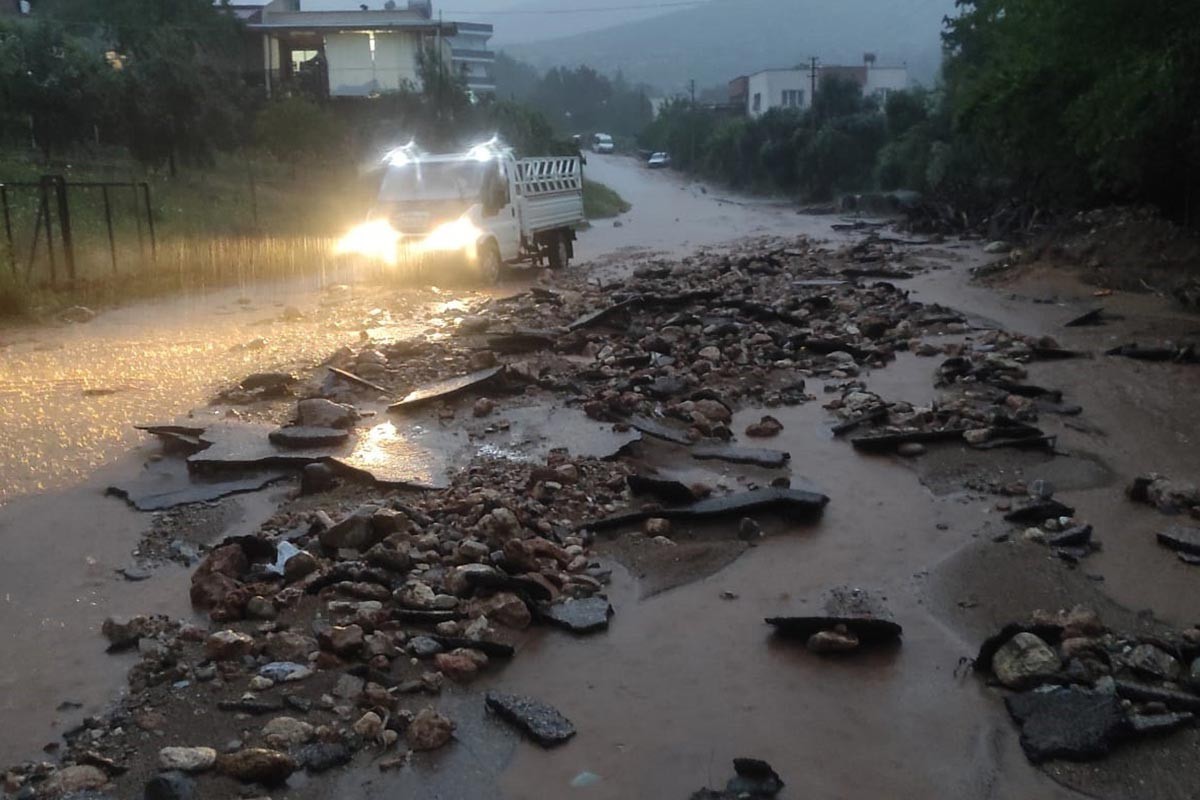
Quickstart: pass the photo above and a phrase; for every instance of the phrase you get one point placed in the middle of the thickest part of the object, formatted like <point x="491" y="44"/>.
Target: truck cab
<point x="478" y="209"/>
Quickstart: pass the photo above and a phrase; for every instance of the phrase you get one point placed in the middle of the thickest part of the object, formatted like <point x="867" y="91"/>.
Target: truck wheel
<point x="559" y="254"/>
<point x="489" y="264"/>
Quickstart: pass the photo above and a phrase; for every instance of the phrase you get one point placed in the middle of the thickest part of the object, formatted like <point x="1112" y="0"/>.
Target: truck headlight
<point x="459" y="235"/>
<point x="376" y="240"/>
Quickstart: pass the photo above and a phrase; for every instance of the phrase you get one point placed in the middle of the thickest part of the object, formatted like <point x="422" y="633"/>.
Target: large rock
<point x="284" y="733"/>
<point x="355" y="532"/>
<point x="170" y="786"/>
<point x="542" y="722"/>
<point x="1153" y="662"/>
<point x="460" y="665"/>
<point x="228" y="645"/>
<point x="257" y="765"/>
<point x="1071" y="723"/>
<point x="429" y="730"/>
<point x="344" y="640"/>
<point x="579" y="616"/>
<point x="318" y="412"/>
<point x="1024" y="661"/>
<point x="79" y="778"/>
<point x="322" y="756"/>
<point x="289" y="646"/>
<point x="186" y="759"/>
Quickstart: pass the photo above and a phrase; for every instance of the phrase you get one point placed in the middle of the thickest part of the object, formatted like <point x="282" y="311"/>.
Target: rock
<point x="1025" y="661"/>
<point x="997" y="248"/>
<point x="259" y="607"/>
<point x="285" y="671"/>
<point x="77" y="315"/>
<point x="186" y="759"/>
<point x="911" y="449"/>
<point x="415" y="595"/>
<point x="1154" y="724"/>
<point x="228" y="645"/>
<point x="833" y="641"/>
<point x="257" y="765"/>
<point x="424" y="647"/>
<point x="460" y="665"/>
<point x="289" y="646"/>
<point x="170" y="786"/>
<point x="267" y="382"/>
<point x="355" y="532"/>
<point x="317" y="478"/>
<point x="483" y="407"/>
<point x="656" y="526"/>
<point x="509" y="610"/>
<point x="393" y="559"/>
<point x="318" y="412"/>
<point x="125" y="633"/>
<point x="300" y="566"/>
<point x="1182" y="538"/>
<point x="1150" y="660"/>
<point x="749" y="529"/>
<point x="586" y="615"/>
<point x="765" y="428"/>
<point x="754" y="778"/>
<point x="323" y="756"/>
<point x="69" y="780"/>
<point x="500" y="525"/>
<point x="1071" y="723"/>
<point x="349" y="687"/>
<point x="1075" y="536"/>
<point x="344" y="640"/>
<point x="368" y="726"/>
<point x="542" y="722"/>
<point x="429" y="730"/>
<point x="856" y="611"/>
<point x="284" y="733"/>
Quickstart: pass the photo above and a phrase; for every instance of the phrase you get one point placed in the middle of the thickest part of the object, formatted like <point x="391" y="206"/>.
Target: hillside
<point x="725" y="38"/>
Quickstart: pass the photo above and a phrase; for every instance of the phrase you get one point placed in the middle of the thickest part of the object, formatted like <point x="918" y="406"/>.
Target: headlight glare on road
<point x="459" y="235"/>
<point x="376" y="240"/>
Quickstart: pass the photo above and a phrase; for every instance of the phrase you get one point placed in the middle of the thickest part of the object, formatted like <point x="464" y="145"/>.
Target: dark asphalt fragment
<point x="658" y="430"/>
<point x="445" y="389"/>
<point x="541" y="721"/>
<point x="671" y="492"/>
<point x="888" y="442"/>
<point x="798" y="502"/>
<point x="1069" y="723"/>
<point x="1038" y="512"/>
<point x="860" y="612"/>
<point x="323" y="756"/>
<point x="1093" y="317"/>
<point x="302" y="437"/>
<point x="756" y="456"/>
<point x="1181" y="538"/>
<point x="586" y="615"/>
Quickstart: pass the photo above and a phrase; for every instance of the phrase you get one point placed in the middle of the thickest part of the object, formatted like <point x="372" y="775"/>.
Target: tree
<point x="51" y="84"/>
<point x="295" y="129"/>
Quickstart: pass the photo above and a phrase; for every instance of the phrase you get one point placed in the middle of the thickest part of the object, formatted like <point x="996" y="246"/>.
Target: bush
<point x="601" y="202"/>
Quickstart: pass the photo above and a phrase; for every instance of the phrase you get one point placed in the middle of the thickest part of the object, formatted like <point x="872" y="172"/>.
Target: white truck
<point x="475" y="210"/>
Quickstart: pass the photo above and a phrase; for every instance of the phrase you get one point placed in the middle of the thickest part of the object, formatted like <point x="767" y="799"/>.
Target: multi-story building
<point x="793" y="88"/>
<point x="472" y="59"/>
<point x="352" y="48"/>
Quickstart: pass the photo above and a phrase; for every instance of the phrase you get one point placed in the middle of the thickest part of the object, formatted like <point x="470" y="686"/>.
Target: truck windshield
<point x="434" y="180"/>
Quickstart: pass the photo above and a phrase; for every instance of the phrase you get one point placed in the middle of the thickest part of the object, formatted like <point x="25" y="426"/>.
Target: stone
<point x="259" y="607"/>
<point x="284" y="671"/>
<point x="509" y="610"/>
<point x="69" y="780"/>
<point x="424" y="647"/>
<point x="228" y="645"/>
<point x="317" y="478"/>
<point x="460" y="665"/>
<point x="749" y="529"/>
<point x="656" y="526"/>
<point x="300" y="566"/>
<point x="318" y="412"/>
<point x="257" y="765"/>
<point x="170" y="786"/>
<point x="186" y="759"/>
<point x="415" y="595"/>
<point x="268" y="382"/>
<point x="349" y="687"/>
<point x="500" y="525"/>
<point x="429" y="730"/>
<point x="765" y="428"/>
<point x="1069" y="723"/>
<point x="323" y="756"/>
<point x="540" y="721"/>
<point x="714" y="410"/>
<point x="754" y="778"/>
<point x="284" y="733"/>
<point x="911" y="449"/>
<point x="342" y="639"/>
<point x="1149" y="660"/>
<point x="289" y="646"/>
<point x="586" y="615"/>
<point x="302" y="437"/>
<point x="124" y="633"/>
<point x="1024" y="661"/>
<point x="1154" y="724"/>
<point x="77" y="315"/>
<point x="393" y="559"/>
<point x="369" y="725"/>
<point x="483" y="407"/>
<point x="354" y="532"/>
<point x="832" y="641"/>
<point x="1181" y="538"/>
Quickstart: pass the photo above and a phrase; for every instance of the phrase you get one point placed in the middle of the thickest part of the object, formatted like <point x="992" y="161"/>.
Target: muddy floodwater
<point x="688" y="674"/>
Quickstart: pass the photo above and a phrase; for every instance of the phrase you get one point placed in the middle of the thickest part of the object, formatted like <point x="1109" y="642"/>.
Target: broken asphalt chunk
<point x="888" y="442"/>
<point x="754" y="780"/>
<point x="156" y="492"/>
<point x="522" y="341"/>
<point x="1069" y="723"/>
<point x="444" y="389"/>
<point x="877" y="414"/>
<point x="541" y="721"/>
<point x="756" y="456"/>
<point x="1037" y="512"/>
<point x="600" y="315"/>
<point x="671" y="492"/>
<point x="1175" y="699"/>
<point x="798" y="502"/>
<point x="854" y="611"/>
<point x="586" y="615"/>
<point x="658" y="430"/>
<point x="1184" y="354"/>
<point x="302" y="437"/>
<point x="267" y="382"/>
<point x="1093" y="317"/>
<point x="1181" y="538"/>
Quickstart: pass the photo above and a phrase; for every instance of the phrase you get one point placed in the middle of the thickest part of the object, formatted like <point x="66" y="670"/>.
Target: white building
<point x="355" y="48"/>
<point x="793" y="88"/>
<point x="472" y="58"/>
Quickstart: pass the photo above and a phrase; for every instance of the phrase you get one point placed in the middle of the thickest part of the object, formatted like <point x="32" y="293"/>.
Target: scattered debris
<point x="852" y="617"/>
<point x="754" y="778"/>
<point x="543" y="723"/>
<point x="446" y="389"/>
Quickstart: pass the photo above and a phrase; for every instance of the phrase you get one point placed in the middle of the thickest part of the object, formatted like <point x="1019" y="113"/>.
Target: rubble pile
<point x="1078" y="689"/>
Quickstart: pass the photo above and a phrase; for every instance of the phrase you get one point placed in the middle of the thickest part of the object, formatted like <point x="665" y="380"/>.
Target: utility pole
<point x="812" y="98"/>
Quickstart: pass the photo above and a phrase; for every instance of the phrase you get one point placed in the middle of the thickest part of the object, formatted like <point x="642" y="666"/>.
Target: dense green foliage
<point x="601" y="202"/>
<point x="1063" y="104"/>
<point x="576" y="101"/>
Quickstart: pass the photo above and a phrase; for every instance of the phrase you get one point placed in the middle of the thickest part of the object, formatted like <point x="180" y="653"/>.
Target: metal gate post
<point x="64" y="225"/>
<point x="12" y="249"/>
<point x="112" y="242"/>
<point x="45" y="213"/>
<point x="150" y="223"/>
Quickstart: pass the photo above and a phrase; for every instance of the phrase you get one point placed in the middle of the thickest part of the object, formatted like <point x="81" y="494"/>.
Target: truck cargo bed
<point x="550" y="192"/>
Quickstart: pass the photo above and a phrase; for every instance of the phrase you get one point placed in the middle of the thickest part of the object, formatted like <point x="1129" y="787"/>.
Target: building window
<point x="793" y="98"/>
<point x="300" y="57"/>
<point x="758" y="101"/>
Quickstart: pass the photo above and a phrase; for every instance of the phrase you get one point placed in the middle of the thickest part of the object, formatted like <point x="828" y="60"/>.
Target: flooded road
<point x="70" y="394"/>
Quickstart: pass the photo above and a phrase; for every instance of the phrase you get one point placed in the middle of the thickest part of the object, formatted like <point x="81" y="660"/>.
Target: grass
<point x="240" y="219"/>
<point x="601" y="202"/>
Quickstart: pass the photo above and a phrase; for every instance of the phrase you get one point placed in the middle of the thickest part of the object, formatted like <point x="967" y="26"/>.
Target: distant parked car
<point x="602" y="143"/>
<point x="659" y="161"/>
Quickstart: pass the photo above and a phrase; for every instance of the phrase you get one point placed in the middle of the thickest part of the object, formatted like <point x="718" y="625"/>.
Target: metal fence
<point x="40" y="224"/>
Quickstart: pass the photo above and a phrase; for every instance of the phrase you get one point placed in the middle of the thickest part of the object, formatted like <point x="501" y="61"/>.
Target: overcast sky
<point x="530" y="20"/>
